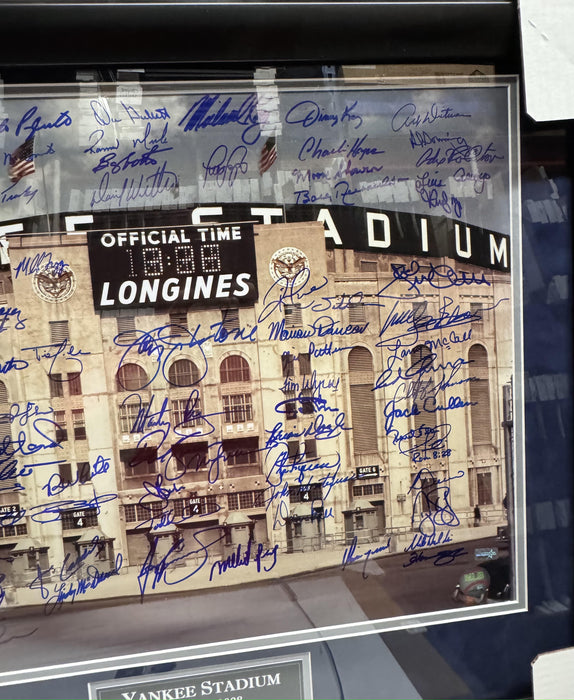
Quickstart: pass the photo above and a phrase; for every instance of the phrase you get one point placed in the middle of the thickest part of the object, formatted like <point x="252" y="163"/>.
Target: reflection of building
<point x="216" y="427"/>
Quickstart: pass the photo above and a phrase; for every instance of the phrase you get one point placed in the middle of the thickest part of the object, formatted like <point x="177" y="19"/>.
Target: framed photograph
<point x="260" y="365"/>
<point x="279" y="678"/>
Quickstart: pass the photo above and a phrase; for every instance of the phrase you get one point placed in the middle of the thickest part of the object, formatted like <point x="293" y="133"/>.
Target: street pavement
<point x="98" y="630"/>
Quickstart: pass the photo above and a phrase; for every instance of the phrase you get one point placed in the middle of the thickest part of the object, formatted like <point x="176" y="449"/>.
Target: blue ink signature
<point x="10" y="160"/>
<point x="431" y="191"/>
<point x="146" y="115"/>
<point x="436" y="276"/>
<point x="327" y="349"/>
<point x="145" y="419"/>
<point x="413" y="324"/>
<point x="67" y="591"/>
<point x="312" y="383"/>
<point x="445" y="556"/>
<point x="22" y="415"/>
<point x="304" y="404"/>
<point x="451" y="339"/>
<point x="95" y="138"/>
<point x="423" y="390"/>
<point x="224" y="165"/>
<point x="238" y="559"/>
<point x="343" y="193"/>
<point x="71" y="566"/>
<point x="165" y="515"/>
<point x="161" y="488"/>
<point x="307" y="197"/>
<point x="350" y="556"/>
<point x="321" y="327"/>
<point x="110" y="161"/>
<point x="165" y="486"/>
<point x="152" y="572"/>
<point x="420" y="139"/>
<point x="56" y="484"/>
<point x="41" y="262"/>
<point x="64" y="119"/>
<point x="329" y="481"/>
<point x="425" y="441"/>
<point x="64" y="349"/>
<point x="10" y="194"/>
<point x="420" y="540"/>
<point x="300" y="466"/>
<point x="430" y="450"/>
<point x="12" y="364"/>
<point x="318" y="428"/>
<point x="147" y="140"/>
<point x="163" y="519"/>
<point x="2" y="591"/>
<point x="478" y="180"/>
<point x="159" y="345"/>
<point x="408" y="115"/>
<point x="313" y="148"/>
<point x="162" y="342"/>
<point x="425" y="364"/>
<point x="459" y="154"/>
<point x="299" y="290"/>
<point x="209" y="111"/>
<point x="433" y="501"/>
<point x="146" y="187"/>
<point x="289" y="291"/>
<point x="52" y="512"/>
<point x="348" y="170"/>
<point x="307" y="113"/>
<point x="102" y="114"/>
<point x="11" y="448"/>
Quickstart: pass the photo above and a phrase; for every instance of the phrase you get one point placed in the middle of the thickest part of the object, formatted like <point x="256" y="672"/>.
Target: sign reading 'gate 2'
<point x="196" y="266"/>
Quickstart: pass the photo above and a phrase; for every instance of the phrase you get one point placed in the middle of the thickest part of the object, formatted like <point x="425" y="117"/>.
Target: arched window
<point x="5" y="432"/>
<point x="131" y="377"/>
<point x="479" y="396"/>
<point x="363" y="411"/>
<point x="360" y="360"/>
<point x="422" y="387"/>
<point x="234" y="369"/>
<point x="183" y="373"/>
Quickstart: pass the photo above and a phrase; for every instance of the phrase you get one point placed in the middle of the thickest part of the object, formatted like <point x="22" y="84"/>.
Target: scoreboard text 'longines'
<point x="198" y="266"/>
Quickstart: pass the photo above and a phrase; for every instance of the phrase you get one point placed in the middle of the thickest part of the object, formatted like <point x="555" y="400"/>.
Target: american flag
<point x="268" y="155"/>
<point x="21" y="162"/>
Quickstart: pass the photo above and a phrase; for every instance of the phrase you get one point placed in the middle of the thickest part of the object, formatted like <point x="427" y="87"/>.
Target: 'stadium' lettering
<point x="207" y="688"/>
<point x="371" y="230"/>
<point x="174" y="289"/>
<point x="235" y="684"/>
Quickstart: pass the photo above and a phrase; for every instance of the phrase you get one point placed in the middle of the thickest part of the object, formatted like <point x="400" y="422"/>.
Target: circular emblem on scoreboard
<point x="286" y="264"/>
<point x="54" y="285"/>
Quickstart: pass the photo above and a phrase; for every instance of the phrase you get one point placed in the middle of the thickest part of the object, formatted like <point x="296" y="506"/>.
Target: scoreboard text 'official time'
<point x="191" y="265"/>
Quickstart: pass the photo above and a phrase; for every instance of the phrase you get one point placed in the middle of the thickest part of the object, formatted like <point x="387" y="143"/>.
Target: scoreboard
<point x="194" y="266"/>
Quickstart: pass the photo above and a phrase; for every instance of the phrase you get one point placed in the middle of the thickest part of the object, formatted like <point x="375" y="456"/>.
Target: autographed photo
<point x="260" y="357"/>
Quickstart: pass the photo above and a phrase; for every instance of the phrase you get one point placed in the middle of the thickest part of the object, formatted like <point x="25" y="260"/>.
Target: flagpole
<point x="46" y="199"/>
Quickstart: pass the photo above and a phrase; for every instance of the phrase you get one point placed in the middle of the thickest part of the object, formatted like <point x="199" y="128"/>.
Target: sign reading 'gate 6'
<point x="196" y="266"/>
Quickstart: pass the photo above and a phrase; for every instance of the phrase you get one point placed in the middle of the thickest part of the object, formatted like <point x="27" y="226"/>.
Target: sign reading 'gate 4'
<point x="194" y="266"/>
